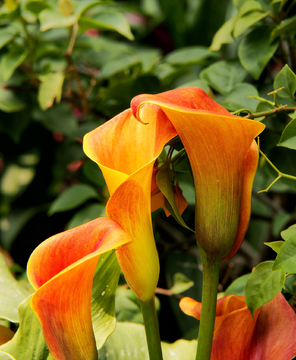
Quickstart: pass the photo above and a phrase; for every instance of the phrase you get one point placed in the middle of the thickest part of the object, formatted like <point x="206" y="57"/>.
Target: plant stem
<point x="208" y="307"/>
<point x="152" y="329"/>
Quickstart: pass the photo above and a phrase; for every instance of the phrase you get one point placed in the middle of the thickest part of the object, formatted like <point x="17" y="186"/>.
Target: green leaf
<point x="120" y="64"/>
<point x="188" y="55"/>
<point x="197" y="83"/>
<point x="103" y="297"/>
<point x="51" y="88"/>
<point x="129" y="342"/>
<point x="127" y="305"/>
<point x="72" y="197"/>
<point x="285" y="26"/>
<point x="286" y="259"/>
<point x="36" y="6"/>
<point x="275" y="245"/>
<point x="111" y="20"/>
<point x="224" y="75"/>
<point x="279" y="222"/>
<point x="163" y="179"/>
<point x="286" y="234"/>
<point x="237" y="287"/>
<point x="255" y="50"/>
<point x="238" y="98"/>
<point x="11" y="294"/>
<point x="28" y="342"/>
<point x="288" y="137"/>
<point x="87" y="214"/>
<point x="6" y="37"/>
<point x="263" y="284"/>
<point x="181" y="283"/>
<point x="52" y="19"/>
<point x="223" y="35"/>
<point x="11" y="61"/>
<point x="248" y="6"/>
<point x="247" y="20"/>
<point x="9" y="102"/>
<point x="287" y="79"/>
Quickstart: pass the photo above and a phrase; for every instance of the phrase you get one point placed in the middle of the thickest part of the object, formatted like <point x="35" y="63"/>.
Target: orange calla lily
<point x="269" y="335"/>
<point x="61" y="269"/>
<point x="223" y="157"/>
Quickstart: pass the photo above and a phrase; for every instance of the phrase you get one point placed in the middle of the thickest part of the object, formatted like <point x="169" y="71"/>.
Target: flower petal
<point x="127" y="164"/>
<point x="62" y="268"/>
<point x="217" y="144"/>
<point x="5" y="334"/>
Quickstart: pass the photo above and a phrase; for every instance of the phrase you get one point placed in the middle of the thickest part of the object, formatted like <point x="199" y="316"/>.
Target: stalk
<point x="152" y="329"/>
<point x="208" y="307"/>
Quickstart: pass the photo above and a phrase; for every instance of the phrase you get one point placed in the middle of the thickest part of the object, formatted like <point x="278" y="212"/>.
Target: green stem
<point x="208" y="307"/>
<point x="152" y="329"/>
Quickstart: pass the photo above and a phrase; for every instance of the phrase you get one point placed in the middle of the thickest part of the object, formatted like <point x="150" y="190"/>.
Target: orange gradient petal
<point x="218" y="146"/>
<point x="126" y="151"/>
<point x="62" y="270"/>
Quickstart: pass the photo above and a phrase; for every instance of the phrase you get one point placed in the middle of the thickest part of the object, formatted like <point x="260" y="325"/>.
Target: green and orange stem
<point x="152" y="329"/>
<point x="208" y="307"/>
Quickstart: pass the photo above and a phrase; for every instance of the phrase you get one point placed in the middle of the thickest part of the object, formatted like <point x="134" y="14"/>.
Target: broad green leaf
<point x="103" y="297"/>
<point x="51" y="88"/>
<point x="284" y="26"/>
<point x="188" y="55"/>
<point x="224" y="75"/>
<point x="237" y="287"/>
<point x="255" y="50"/>
<point x="128" y="306"/>
<point x="120" y="64"/>
<point x="111" y="20"/>
<point x="238" y="98"/>
<point x="11" y="61"/>
<point x="247" y="20"/>
<point x="287" y="79"/>
<point x="6" y="37"/>
<point x="288" y="137"/>
<point x="9" y="102"/>
<point x="248" y="6"/>
<point x="223" y="35"/>
<point x="36" y="6"/>
<point x="164" y="183"/>
<point x="181" y="283"/>
<point x="129" y="342"/>
<point x="52" y="19"/>
<point x="72" y="197"/>
<point x="11" y="294"/>
<point x="86" y="214"/>
<point x="275" y="245"/>
<point x="93" y="173"/>
<point x="263" y="284"/>
<point x="197" y="83"/>
<point x="286" y="259"/>
<point x="286" y="234"/>
<point x="28" y="342"/>
<point x="279" y="222"/>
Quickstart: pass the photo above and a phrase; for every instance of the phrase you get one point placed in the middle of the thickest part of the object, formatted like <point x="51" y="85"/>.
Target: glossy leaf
<point x="11" y="294"/>
<point x="128" y="306"/>
<point x="288" y="137"/>
<point x="255" y="50"/>
<point x="239" y="98"/>
<point x="286" y="234"/>
<point x="51" y="88"/>
<point x="6" y="37"/>
<point x="285" y="26"/>
<point x="72" y="197"/>
<point x="287" y="79"/>
<point x="52" y="19"/>
<point x="36" y="6"/>
<point x="223" y="35"/>
<point x="86" y="214"/>
<point x="286" y="259"/>
<point x="224" y="75"/>
<point x="237" y="287"/>
<point x="181" y="283"/>
<point x="10" y="61"/>
<point x="263" y="284"/>
<point x="247" y="20"/>
<point x="9" y="102"/>
<point x="29" y="332"/>
<point x="188" y="55"/>
<point x="275" y="245"/>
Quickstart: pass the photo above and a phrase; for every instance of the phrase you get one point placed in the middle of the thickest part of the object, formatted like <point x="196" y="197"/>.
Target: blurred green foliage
<point x="68" y="66"/>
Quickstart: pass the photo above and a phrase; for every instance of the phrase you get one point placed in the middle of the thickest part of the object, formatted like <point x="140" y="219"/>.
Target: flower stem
<point x="208" y="307"/>
<point x="152" y="329"/>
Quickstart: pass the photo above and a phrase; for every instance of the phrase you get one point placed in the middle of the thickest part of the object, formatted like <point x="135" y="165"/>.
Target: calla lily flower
<point x="61" y="269"/>
<point x="223" y="157"/>
<point x="269" y="335"/>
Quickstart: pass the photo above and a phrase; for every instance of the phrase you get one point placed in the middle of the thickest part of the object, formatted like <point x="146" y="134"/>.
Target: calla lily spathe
<point x="223" y="157"/>
<point x="269" y="335"/>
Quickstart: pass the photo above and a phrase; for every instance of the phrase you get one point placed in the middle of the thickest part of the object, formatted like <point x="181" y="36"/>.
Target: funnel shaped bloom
<point x="61" y="269"/>
<point x="223" y="157"/>
<point x="269" y="335"/>
<point x="126" y="152"/>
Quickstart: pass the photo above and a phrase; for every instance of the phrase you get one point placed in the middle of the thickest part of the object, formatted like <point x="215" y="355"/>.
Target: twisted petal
<point x="269" y="335"/>
<point x="126" y="151"/>
<point x="223" y="158"/>
<point x="62" y="270"/>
